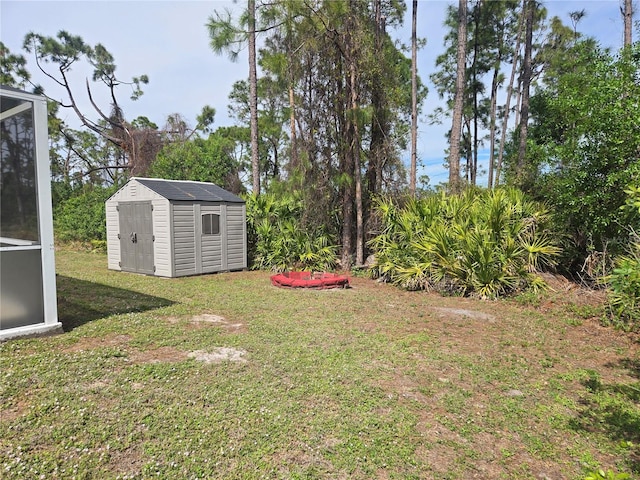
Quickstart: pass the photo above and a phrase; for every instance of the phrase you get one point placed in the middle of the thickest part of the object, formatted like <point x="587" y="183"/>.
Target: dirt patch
<point x="206" y="319"/>
<point x="91" y="343"/>
<point x="404" y="387"/>
<point x="563" y="291"/>
<point x="218" y="355"/>
<point x="461" y="312"/>
<point x="152" y="355"/>
<point x="127" y="463"/>
<point x="158" y="355"/>
<point x="300" y="454"/>
<point x="11" y="413"/>
<point x="99" y="385"/>
<point x="216" y="320"/>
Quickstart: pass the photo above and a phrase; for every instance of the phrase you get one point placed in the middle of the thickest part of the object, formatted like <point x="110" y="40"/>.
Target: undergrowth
<point x="486" y="243"/>
<point x="624" y="290"/>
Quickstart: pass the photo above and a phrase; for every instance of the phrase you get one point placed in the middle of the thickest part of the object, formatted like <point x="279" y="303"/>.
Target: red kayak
<point x="316" y="280"/>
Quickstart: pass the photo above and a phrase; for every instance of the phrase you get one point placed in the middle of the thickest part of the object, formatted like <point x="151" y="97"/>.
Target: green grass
<point x="369" y="382"/>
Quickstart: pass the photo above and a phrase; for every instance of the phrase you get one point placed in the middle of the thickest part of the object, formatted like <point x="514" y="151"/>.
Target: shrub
<point x="623" y="299"/>
<point x="600" y="474"/>
<point x="483" y="243"/>
<point x="278" y="242"/>
<point x="81" y="218"/>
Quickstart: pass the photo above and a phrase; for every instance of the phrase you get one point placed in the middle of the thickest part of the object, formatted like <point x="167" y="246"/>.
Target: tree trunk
<point x="354" y="147"/>
<point x="628" y="17"/>
<point x="293" y="165"/>
<point x="347" y="227"/>
<point x="345" y="168"/>
<point x="292" y="123"/>
<point x="507" y="108"/>
<point x="474" y="152"/>
<point x="492" y="125"/>
<point x="518" y="105"/>
<point x="476" y="113"/>
<point x="355" y="151"/>
<point x="467" y="150"/>
<point x="379" y="128"/>
<point x="346" y="171"/>
<point x="526" y="82"/>
<point x="253" y="97"/>
<point x="456" y="128"/>
<point x="379" y="124"/>
<point x="414" y="99"/>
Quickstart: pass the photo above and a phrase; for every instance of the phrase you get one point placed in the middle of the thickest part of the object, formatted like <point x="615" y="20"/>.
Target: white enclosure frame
<point x="49" y="322"/>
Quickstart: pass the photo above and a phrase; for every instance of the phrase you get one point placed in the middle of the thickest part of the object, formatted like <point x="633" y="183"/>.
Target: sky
<point x="168" y="41"/>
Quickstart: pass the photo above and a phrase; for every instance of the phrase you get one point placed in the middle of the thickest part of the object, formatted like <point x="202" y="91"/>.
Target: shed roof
<point x="189" y="191"/>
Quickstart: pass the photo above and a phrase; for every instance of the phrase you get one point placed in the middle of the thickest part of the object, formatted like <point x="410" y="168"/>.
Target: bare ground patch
<point x="164" y="354"/>
<point x="127" y="462"/>
<point x="150" y="355"/>
<point x="219" y="354"/>
<point x="9" y="414"/>
<point x="208" y="319"/>
<point x="92" y="343"/>
<point x="462" y="312"/>
<point x="566" y="291"/>
<point x="158" y="355"/>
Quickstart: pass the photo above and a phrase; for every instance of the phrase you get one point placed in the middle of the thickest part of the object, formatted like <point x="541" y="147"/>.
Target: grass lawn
<point x="224" y="376"/>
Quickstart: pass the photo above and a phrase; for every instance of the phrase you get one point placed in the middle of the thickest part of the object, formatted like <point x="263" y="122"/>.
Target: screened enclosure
<point x="27" y="263"/>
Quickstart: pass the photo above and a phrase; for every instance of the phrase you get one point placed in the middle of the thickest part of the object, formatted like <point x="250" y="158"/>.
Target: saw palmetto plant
<point x="482" y="243"/>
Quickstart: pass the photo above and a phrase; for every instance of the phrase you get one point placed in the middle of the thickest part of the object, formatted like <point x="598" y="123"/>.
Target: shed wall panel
<point x="236" y="237"/>
<point x="211" y="253"/>
<point x="211" y="245"/>
<point x="162" y="237"/>
<point x="134" y="191"/>
<point x="113" y="229"/>
<point x="184" y="234"/>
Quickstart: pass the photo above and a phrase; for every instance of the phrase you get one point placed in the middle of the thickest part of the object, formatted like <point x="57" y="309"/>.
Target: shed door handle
<point x="134" y="237"/>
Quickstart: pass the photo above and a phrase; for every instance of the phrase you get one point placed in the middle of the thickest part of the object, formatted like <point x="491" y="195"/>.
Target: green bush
<point x="600" y="474"/>
<point x="623" y="297"/>
<point x="581" y="161"/>
<point x="482" y="243"/>
<point x="81" y="218"/>
<point x="277" y="240"/>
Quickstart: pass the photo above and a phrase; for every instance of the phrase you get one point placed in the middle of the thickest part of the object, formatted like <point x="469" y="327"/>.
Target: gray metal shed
<point x="174" y="228"/>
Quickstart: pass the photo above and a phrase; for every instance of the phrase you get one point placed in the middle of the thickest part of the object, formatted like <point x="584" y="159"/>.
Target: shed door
<point x="136" y="237"/>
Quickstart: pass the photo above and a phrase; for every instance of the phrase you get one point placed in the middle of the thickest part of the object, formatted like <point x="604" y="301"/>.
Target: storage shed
<point x="174" y="228"/>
